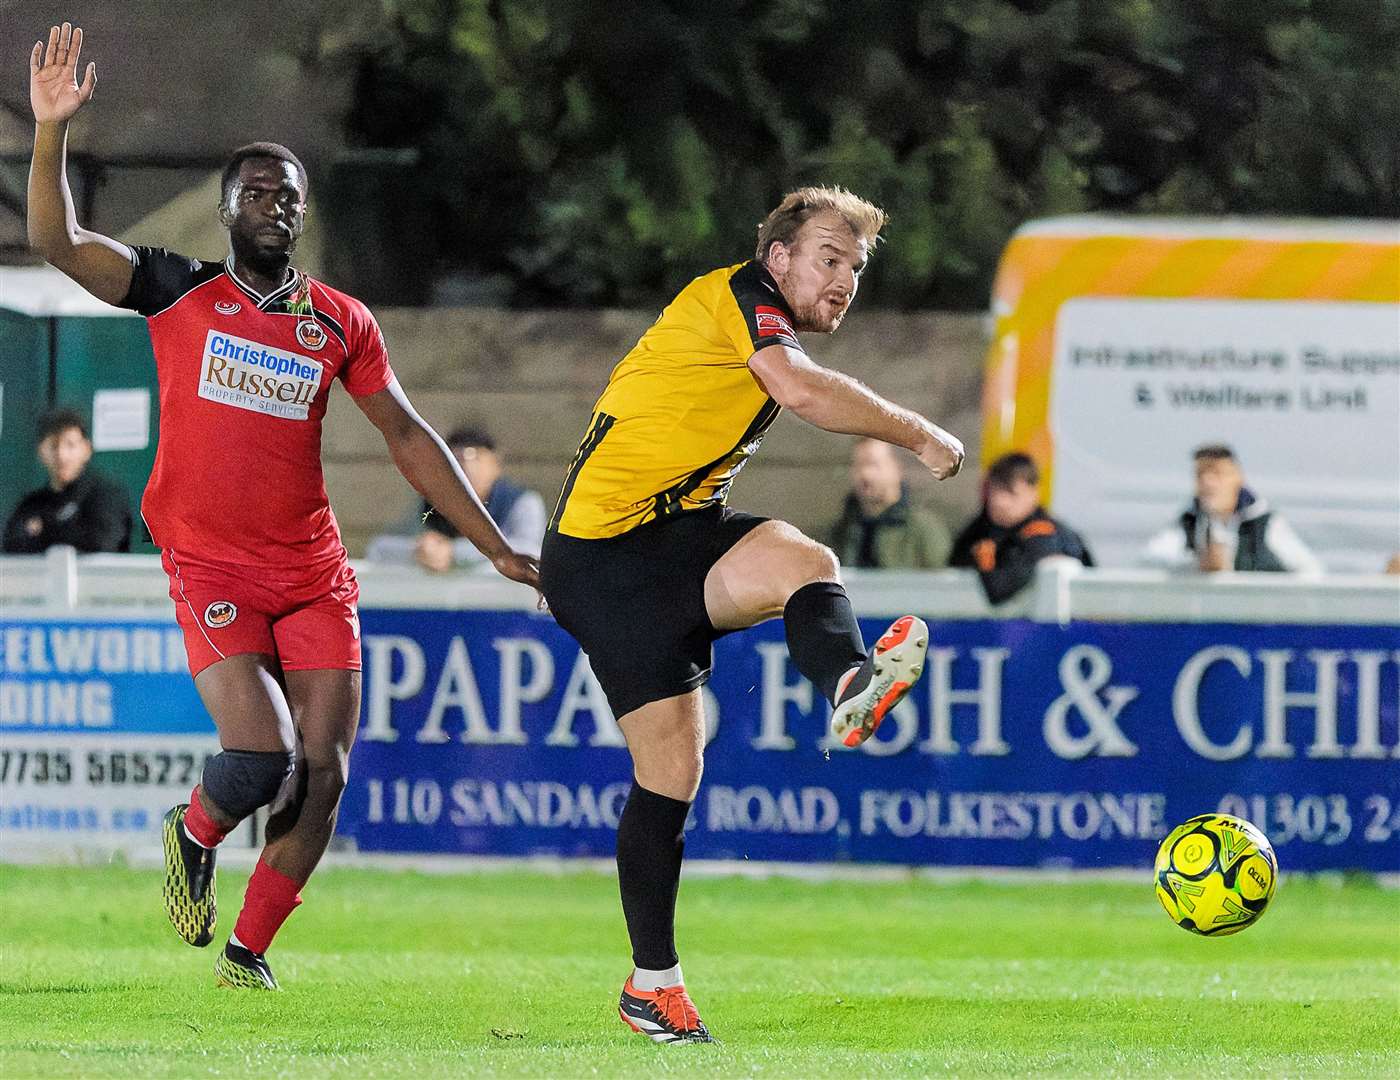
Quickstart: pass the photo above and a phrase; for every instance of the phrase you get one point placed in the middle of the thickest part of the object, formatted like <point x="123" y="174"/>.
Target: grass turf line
<point x="516" y="974"/>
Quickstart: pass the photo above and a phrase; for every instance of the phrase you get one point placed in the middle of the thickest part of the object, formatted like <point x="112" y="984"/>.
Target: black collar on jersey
<point x="258" y="298"/>
<point x="280" y="301"/>
<point x="768" y="283"/>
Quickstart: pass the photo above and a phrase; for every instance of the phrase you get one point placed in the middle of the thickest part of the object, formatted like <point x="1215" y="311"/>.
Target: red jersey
<point x="244" y="380"/>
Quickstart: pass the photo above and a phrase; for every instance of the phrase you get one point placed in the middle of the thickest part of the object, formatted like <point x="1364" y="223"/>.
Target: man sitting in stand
<point x="1013" y="532"/>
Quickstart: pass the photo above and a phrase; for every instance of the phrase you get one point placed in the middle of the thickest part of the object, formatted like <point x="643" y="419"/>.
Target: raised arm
<point x="98" y="263"/>
<point x="836" y="402"/>
<point x="429" y="466"/>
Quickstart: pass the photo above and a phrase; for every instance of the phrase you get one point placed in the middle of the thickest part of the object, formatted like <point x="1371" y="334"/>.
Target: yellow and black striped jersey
<point x="682" y="412"/>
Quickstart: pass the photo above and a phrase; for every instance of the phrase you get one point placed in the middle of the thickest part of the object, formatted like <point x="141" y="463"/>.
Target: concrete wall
<point x="531" y="378"/>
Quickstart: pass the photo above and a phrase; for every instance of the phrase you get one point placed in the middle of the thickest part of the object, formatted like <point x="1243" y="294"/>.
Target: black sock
<point x="822" y="634"/>
<point x="650" y="842"/>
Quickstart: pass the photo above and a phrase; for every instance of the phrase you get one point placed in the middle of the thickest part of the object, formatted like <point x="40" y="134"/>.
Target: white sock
<point x="233" y="940"/>
<point x="645" y="979"/>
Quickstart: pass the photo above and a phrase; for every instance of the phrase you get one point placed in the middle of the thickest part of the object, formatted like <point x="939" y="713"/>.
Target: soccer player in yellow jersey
<point x="646" y="566"/>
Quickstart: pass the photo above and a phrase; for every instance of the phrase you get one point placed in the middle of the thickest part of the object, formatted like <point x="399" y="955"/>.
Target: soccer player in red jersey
<point x="246" y="350"/>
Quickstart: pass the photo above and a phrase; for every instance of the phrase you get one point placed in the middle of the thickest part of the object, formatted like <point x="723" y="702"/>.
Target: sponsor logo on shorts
<point x="219" y="614"/>
<point x="227" y="307"/>
<point x="310" y="334"/>
<point x="354" y="624"/>
<point x="773" y="323"/>
<point x="257" y="377"/>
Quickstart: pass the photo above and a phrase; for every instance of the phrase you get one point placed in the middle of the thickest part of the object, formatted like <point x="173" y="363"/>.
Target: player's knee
<point x="238" y="782"/>
<point x="822" y="563"/>
<point x="676" y="778"/>
<point x="328" y="770"/>
<point x="329" y="779"/>
<point x="670" y="763"/>
<point x="685" y="767"/>
<point x="811" y="562"/>
<point x="688" y="768"/>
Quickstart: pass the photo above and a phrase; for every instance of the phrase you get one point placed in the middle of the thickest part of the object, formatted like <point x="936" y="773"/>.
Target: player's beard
<point x="811" y="319"/>
<point x="270" y="262"/>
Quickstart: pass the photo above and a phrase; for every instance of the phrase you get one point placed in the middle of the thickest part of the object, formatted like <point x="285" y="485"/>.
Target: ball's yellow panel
<point x="1215" y="874"/>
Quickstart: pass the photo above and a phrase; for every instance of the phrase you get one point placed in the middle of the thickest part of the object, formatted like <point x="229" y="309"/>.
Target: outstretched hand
<point x="54" y="93"/>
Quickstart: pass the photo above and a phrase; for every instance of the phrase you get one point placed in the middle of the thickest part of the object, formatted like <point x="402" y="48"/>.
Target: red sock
<point x="203" y="829"/>
<point x="270" y="898"/>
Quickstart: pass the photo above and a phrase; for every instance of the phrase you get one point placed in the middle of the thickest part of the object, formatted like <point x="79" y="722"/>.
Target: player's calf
<point x="236" y="782"/>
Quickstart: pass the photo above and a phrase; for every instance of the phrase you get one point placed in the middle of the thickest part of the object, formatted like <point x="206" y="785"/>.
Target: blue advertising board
<point x="1025" y="744"/>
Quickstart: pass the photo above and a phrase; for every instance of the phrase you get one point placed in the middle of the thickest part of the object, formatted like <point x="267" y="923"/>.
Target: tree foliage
<point x="584" y="152"/>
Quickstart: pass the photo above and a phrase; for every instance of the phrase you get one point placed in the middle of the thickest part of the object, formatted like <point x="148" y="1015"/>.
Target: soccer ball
<point x="1215" y="874"/>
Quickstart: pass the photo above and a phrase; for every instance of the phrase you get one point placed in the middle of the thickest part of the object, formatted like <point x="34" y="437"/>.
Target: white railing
<point x="62" y="582"/>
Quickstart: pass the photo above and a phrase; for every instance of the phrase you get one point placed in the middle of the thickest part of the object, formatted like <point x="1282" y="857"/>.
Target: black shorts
<point x="636" y="602"/>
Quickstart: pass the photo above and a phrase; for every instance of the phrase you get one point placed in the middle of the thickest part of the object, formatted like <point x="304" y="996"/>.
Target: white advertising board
<point x="1308" y="394"/>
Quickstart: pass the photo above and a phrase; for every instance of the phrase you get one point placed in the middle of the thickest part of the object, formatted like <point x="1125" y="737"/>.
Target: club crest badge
<point x="219" y="614"/>
<point x="227" y="307"/>
<point x="310" y="334"/>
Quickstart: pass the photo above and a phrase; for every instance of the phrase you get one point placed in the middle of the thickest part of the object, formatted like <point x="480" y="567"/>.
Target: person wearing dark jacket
<point x="1013" y="532"/>
<point x="78" y="506"/>
<point x="879" y="528"/>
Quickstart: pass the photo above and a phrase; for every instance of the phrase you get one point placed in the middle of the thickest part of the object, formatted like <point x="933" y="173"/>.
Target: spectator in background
<point x="1228" y="527"/>
<point x="78" y="506"/>
<point x="435" y="545"/>
<point x="879" y="528"/>
<point x="1013" y="532"/>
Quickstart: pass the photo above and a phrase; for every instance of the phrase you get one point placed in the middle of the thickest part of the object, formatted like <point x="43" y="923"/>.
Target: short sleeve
<point x="159" y="278"/>
<point x="367" y="370"/>
<point x="766" y="316"/>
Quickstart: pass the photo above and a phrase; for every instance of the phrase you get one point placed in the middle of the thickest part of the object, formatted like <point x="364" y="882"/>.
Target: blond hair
<point x="864" y="218"/>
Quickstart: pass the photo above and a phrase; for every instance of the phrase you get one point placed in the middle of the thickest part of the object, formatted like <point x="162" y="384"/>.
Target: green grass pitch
<point x="516" y="974"/>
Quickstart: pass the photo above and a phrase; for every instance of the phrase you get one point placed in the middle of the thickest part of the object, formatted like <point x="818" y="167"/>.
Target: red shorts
<point x="306" y="622"/>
